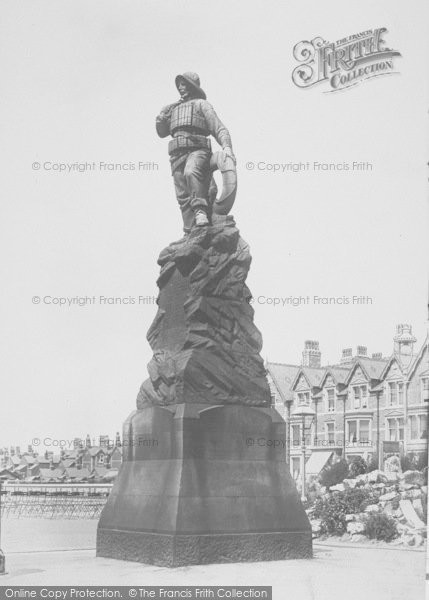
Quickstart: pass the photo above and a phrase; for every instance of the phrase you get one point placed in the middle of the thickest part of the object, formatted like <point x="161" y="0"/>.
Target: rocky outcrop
<point x="403" y="498"/>
<point x="204" y="341"/>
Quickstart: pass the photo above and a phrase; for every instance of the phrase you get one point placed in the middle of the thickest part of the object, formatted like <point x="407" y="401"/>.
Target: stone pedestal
<point x="204" y="477"/>
<point x="204" y="484"/>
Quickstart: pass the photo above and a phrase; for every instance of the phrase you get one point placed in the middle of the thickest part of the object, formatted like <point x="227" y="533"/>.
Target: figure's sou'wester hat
<point x="193" y="81"/>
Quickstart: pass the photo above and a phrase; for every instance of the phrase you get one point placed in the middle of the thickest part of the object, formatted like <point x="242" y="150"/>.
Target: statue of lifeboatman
<point x="190" y="122"/>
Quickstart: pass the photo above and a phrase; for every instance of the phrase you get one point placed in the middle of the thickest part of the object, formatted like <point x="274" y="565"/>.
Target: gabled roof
<point x="79" y="474"/>
<point x="8" y="473"/>
<point x="29" y="459"/>
<point x="99" y="471"/>
<point x="72" y="454"/>
<point x="390" y="361"/>
<point x="338" y="374"/>
<point x="283" y="376"/>
<point x="418" y="357"/>
<point x="313" y="376"/>
<point x="114" y="449"/>
<point x="49" y="474"/>
<point x="372" y="368"/>
<point x="95" y="450"/>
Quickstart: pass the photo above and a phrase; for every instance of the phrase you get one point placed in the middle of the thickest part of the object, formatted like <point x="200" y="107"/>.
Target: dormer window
<point x="330" y="399"/>
<point x="303" y="398"/>
<point x="360" y="396"/>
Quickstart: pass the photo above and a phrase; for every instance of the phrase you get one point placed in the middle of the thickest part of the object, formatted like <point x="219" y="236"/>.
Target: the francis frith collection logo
<point x="344" y="63"/>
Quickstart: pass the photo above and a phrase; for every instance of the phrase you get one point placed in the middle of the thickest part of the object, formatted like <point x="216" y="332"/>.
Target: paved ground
<point x="335" y="572"/>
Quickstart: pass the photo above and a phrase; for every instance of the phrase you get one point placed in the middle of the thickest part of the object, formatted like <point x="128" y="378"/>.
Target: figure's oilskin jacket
<point x="190" y="123"/>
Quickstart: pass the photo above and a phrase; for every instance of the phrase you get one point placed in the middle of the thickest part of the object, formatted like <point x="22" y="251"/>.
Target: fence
<point x="53" y="501"/>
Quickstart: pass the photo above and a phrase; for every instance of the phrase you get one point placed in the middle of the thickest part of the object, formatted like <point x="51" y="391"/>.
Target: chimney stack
<point x="361" y="351"/>
<point x="311" y="355"/>
<point x="103" y="441"/>
<point x="347" y="355"/>
<point x="377" y="355"/>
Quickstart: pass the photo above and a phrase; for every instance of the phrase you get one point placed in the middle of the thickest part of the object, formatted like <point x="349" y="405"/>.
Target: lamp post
<point x="2" y="556"/>
<point x="426" y="381"/>
<point x="306" y="414"/>
<point x="288" y="406"/>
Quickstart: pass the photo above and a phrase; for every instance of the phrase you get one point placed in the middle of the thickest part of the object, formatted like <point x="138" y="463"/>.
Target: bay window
<point x="359" y="431"/>
<point x="418" y="427"/>
<point x="395" y="429"/>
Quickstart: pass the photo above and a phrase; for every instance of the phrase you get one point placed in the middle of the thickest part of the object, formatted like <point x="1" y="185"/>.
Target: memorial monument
<point x="204" y="477"/>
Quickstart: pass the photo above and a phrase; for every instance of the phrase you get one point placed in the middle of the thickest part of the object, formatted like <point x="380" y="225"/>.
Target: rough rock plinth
<point x="205" y="343"/>
<point x="204" y="477"/>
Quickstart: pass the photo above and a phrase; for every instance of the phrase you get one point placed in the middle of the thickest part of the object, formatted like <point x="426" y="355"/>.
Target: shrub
<point x="357" y="499"/>
<point x="414" y="461"/>
<point x="357" y="467"/>
<point x="331" y="511"/>
<point x="372" y="464"/>
<point x="334" y="474"/>
<point x="422" y="461"/>
<point x="380" y="526"/>
<point x="408" y="463"/>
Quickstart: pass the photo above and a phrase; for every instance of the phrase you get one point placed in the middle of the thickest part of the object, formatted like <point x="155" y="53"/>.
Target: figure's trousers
<point x="191" y="182"/>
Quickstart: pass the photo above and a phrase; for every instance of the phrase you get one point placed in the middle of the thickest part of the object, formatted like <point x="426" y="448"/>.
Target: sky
<point x="82" y="83"/>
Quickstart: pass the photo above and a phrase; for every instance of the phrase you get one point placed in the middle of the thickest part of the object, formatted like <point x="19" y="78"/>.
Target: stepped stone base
<point x="204" y="484"/>
<point x="181" y="550"/>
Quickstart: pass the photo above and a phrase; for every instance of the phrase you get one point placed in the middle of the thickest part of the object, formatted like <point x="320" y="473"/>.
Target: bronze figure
<point x="190" y="121"/>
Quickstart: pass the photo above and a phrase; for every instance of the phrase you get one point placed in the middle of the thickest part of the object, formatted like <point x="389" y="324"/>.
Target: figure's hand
<point x="166" y="111"/>
<point x="229" y="153"/>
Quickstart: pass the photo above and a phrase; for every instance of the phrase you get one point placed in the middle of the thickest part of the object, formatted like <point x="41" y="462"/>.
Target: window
<point x="331" y="399"/>
<point x="395" y="393"/>
<point x="364" y="396"/>
<point x="359" y="431"/>
<point x="418" y="427"/>
<point x="296" y="467"/>
<point x="423" y="426"/>
<point x="401" y="393"/>
<point x="296" y="435"/>
<point x="393" y="398"/>
<point x="352" y="428"/>
<point x="360" y="394"/>
<point x="395" y="428"/>
<point x="414" y="427"/>
<point x="364" y="434"/>
<point x="330" y="432"/>
<point x="424" y="389"/>
<point x="303" y="398"/>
